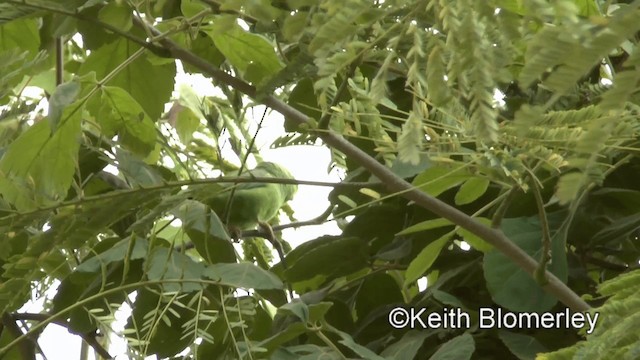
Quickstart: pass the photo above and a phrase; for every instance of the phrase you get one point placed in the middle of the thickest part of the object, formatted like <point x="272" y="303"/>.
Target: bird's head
<point x="277" y="171"/>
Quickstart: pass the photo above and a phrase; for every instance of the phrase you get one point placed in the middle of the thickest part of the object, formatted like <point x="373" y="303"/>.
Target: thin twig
<point x="26" y="348"/>
<point x="89" y="338"/>
<point x="546" y="234"/>
<point x="496" y="220"/>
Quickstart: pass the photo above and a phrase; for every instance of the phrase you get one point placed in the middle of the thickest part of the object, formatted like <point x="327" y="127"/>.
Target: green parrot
<point x="254" y="203"/>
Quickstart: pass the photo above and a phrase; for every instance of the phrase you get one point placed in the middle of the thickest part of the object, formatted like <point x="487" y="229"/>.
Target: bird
<point x="254" y="204"/>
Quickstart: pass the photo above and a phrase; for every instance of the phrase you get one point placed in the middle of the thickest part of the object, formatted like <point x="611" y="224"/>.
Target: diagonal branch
<point x="394" y="183"/>
<point x="89" y="338"/>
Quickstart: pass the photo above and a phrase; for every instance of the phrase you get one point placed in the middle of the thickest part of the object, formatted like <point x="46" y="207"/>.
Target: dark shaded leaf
<point x="458" y="348"/>
<point x="512" y="287"/>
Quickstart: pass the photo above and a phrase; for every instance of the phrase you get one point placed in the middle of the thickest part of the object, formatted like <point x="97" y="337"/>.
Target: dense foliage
<point x="489" y="146"/>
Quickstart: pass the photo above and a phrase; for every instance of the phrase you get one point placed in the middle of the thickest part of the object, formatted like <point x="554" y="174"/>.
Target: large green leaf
<point x="618" y="230"/>
<point x="474" y="240"/>
<point x="121" y="114"/>
<point x="243" y="275"/>
<point x="425" y="259"/>
<point x="63" y="95"/>
<point x="72" y="225"/>
<point x="327" y="256"/>
<point x="376" y="291"/>
<point x="130" y="248"/>
<point x="252" y="54"/>
<point x="303" y="99"/>
<point x="16" y="186"/>
<point x="525" y="347"/>
<point x="407" y="347"/>
<point x="512" y="287"/>
<point x="40" y="164"/>
<point x="22" y="34"/>
<point x="90" y="279"/>
<point x="471" y="190"/>
<point x="426" y="225"/>
<point x="160" y="320"/>
<point x="117" y="14"/>
<point x="438" y="179"/>
<point x="206" y="231"/>
<point x="361" y="351"/>
<point x="150" y="85"/>
<point x="458" y="348"/>
<point x="165" y="264"/>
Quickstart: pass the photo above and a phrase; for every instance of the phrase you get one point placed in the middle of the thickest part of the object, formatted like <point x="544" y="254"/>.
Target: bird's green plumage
<point x="254" y="202"/>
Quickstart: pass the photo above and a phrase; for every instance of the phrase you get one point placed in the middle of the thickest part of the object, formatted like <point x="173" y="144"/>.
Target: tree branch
<point x="26" y="348"/>
<point x="88" y="338"/>
<point x="394" y="183"/>
<point x="296" y="224"/>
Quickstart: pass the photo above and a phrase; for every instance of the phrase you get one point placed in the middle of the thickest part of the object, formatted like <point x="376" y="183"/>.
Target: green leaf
<point x="138" y="172"/>
<point x="627" y="199"/>
<point x="160" y="322"/>
<point x="16" y="64"/>
<point x="186" y="124"/>
<point x="360" y="350"/>
<point x="425" y="259"/>
<point x="243" y="275"/>
<point x="407" y="347"/>
<point x="292" y="331"/>
<point x="21" y="34"/>
<point x="345" y="199"/>
<point x="81" y="285"/>
<point x="118" y="252"/>
<point x="447" y="299"/>
<point x="252" y="54"/>
<point x="15" y="352"/>
<point x="297" y="308"/>
<point x="204" y="47"/>
<point x="192" y="101"/>
<point x="328" y="256"/>
<point x="437" y="86"/>
<point x="376" y="291"/>
<point x="406" y="170"/>
<point x="471" y="190"/>
<point x="118" y="14"/>
<point x="509" y="285"/>
<point x="303" y="99"/>
<point x="426" y="225"/>
<point x="410" y="140"/>
<point x="121" y="114"/>
<point x="307" y="352"/>
<point x="56" y="163"/>
<point x="524" y="347"/>
<point x="515" y="6"/>
<point x="206" y="231"/>
<point x="16" y="186"/>
<point x="294" y="26"/>
<point x="38" y="167"/>
<point x="619" y="229"/>
<point x="475" y="241"/>
<point x="459" y="348"/>
<point x="190" y="8"/>
<point x="150" y="85"/>
<point x="63" y="95"/>
<point x="569" y="186"/>
<point x="438" y="179"/>
<point x="587" y="8"/>
<point x="165" y="264"/>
